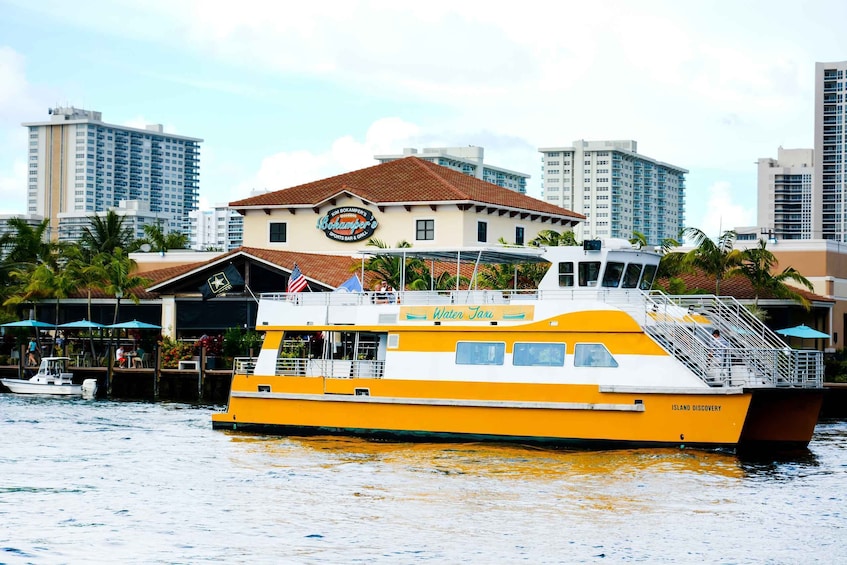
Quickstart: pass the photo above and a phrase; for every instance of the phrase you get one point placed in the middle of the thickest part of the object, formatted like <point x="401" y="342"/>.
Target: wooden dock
<point x="207" y="386"/>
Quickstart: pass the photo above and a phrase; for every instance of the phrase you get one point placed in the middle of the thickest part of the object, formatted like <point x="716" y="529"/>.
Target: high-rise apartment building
<point x="79" y="165"/>
<point x="829" y="204"/>
<point x="468" y="160"/>
<point x="785" y="196"/>
<point x="221" y="228"/>
<point x="618" y="190"/>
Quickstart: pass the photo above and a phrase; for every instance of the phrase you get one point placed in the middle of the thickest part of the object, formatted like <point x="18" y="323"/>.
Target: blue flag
<point x="353" y="284"/>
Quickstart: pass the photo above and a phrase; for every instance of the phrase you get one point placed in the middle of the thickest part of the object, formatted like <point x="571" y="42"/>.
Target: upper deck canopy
<point x="477" y="255"/>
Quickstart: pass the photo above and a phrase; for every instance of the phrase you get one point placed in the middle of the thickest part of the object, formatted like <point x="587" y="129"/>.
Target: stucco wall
<point x="453" y="227"/>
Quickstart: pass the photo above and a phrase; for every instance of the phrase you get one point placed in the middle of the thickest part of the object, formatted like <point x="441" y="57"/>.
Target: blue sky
<point x="285" y="93"/>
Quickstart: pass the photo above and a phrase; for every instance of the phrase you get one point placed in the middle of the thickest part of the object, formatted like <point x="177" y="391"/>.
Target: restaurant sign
<point x="348" y="223"/>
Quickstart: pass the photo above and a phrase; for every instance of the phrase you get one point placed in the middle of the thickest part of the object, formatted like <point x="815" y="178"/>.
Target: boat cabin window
<point x="592" y="355"/>
<point x="647" y="277"/>
<point x="612" y="275"/>
<point x="299" y="345"/>
<point x="354" y="345"/>
<point x="632" y="275"/>
<point x="539" y="354"/>
<point x="480" y="353"/>
<point x="589" y="273"/>
<point x="566" y="273"/>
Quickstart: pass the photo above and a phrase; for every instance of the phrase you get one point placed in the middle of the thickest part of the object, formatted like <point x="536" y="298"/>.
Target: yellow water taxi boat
<point x="591" y="358"/>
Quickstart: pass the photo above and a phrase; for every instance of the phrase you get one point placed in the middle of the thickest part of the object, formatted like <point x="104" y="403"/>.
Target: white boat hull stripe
<point x="441" y="401"/>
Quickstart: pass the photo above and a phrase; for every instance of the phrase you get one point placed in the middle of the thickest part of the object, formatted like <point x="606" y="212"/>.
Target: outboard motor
<point x="89" y="389"/>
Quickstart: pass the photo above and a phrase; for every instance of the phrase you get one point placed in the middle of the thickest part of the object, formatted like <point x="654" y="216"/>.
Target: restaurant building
<point x="320" y="227"/>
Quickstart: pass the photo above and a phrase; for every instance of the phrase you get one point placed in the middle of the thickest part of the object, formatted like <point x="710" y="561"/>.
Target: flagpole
<point x="251" y="293"/>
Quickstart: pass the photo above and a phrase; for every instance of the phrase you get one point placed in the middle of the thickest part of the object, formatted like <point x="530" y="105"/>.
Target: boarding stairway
<point x="755" y="356"/>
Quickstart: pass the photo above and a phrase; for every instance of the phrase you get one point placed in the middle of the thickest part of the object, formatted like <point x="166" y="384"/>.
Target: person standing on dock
<point x="32" y="352"/>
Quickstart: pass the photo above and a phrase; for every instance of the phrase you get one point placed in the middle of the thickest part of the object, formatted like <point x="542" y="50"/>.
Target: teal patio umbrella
<point x="28" y="324"/>
<point x="134" y="325"/>
<point x="81" y="325"/>
<point x="803" y="332"/>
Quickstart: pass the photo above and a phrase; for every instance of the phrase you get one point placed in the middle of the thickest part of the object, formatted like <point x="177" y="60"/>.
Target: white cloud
<point x="13" y="189"/>
<point x="287" y="169"/>
<point x="721" y="212"/>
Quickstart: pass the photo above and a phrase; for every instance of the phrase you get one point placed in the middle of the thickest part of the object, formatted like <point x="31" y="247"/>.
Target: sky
<point x="286" y="93"/>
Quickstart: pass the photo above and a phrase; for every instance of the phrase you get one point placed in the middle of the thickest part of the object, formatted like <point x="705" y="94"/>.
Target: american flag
<point x="297" y="282"/>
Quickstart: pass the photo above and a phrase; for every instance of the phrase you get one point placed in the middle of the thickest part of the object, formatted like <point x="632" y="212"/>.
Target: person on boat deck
<point x="32" y="352"/>
<point x="120" y="356"/>
<point x="720" y="345"/>
<point x="381" y="296"/>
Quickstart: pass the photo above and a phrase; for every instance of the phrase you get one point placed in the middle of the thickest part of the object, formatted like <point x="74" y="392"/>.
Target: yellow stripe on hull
<point x="548" y="412"/>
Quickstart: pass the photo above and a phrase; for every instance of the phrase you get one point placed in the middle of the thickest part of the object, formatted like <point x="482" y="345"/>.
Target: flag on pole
<point x="297" y="282"/>
<point x="353" y="284"/>
<point x="221" y="282"/>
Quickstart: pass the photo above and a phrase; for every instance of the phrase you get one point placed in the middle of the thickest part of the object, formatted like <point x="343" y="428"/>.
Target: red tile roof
<point x="404" y="181"/>
<point x="331" y="270"/>
<point x="737" y="286"/>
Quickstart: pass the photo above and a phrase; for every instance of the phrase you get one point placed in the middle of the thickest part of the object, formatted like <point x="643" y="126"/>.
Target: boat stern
<point x="780" y="419"/>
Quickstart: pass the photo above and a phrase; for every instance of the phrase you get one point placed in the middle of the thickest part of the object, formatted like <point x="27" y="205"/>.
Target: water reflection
<point x="495" y="460"/>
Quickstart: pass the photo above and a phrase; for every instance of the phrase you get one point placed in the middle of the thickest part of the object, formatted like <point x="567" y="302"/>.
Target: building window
<point x="519" y="234"/>
<point x="425" y="230"/>
<point x="278" y="233"/>
<point x="482" y="232"/>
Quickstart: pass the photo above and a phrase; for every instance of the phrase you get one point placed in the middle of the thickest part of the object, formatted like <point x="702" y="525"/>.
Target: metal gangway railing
<point x="330" y="368"/>
<point x="751" y="355"/>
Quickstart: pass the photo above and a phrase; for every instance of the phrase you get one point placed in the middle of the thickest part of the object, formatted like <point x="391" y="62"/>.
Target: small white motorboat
<point x="52" y="378"/>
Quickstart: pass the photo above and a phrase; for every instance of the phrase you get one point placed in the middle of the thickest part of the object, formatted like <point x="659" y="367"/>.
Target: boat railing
<point x="243" y="365"/>
<point x="456" y="297"/>
<point x="753" y="355"/>
<point x="330" y="368"/>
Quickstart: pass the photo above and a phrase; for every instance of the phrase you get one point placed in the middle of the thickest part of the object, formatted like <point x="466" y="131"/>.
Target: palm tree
<point x="552" y="238"/>
<point x="757" y="265"/>
<point x="639" y="239"/>
<point x="715" y="258"/>
<point x="27" y="251"/>
<point x="91" y="276"/>
<point x="120" y="281"/>
<point x="390" y="268"/>
<point x="504" y="276"/>
<point x="160" y="242"/>
<point x="26" y="244"/>
<point x="105" y="234"/>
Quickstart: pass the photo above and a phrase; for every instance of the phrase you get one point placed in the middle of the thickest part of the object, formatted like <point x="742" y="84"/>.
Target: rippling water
<point x="99" y="481"/>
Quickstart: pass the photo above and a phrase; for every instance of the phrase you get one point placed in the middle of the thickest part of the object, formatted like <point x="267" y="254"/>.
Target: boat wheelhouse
<point x="591" y="357"/>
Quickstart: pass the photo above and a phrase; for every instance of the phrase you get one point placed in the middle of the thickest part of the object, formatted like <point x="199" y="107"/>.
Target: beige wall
<point x="825" y="265"/>
<point x="811" y="263"/>
<point x="453" y="227"/>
